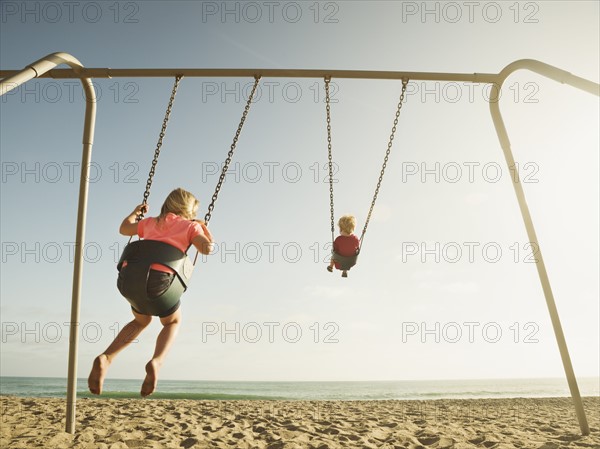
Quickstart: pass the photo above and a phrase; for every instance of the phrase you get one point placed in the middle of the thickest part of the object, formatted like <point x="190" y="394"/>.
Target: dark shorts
<point x="158" y="283"/>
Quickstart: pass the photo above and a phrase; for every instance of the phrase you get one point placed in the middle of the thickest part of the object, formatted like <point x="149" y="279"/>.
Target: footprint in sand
<point x="135" y="443"/>
<point x="549" y="445"/>
<point x="428" y="440"/>
<point x="477" y="440"/>
<point x="569" y="437"/>
<point x="188" y="443"/>
<point x="390" y="425"/>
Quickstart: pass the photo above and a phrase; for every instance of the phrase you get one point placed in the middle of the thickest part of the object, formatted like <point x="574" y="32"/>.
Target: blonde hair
<point x="180" y="202"/>
<point x="347" y="223"/>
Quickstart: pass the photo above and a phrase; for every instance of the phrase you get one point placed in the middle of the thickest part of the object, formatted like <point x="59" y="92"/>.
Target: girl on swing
<point x="176" y="225"/>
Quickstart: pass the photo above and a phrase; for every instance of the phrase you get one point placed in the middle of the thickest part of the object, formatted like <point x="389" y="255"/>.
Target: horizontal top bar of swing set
<point x="265" y="73"/>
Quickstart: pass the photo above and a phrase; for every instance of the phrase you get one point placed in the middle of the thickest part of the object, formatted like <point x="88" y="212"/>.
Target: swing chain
<point x="211" y="206"/>
<point x="159" y="145"/>
<point x="330" y="157"/>
<point x="385" y="159"/>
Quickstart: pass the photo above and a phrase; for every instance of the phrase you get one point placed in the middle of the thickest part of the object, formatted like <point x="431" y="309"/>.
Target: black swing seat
<point x="345" y="262"/>
<point x="133" y="277"/>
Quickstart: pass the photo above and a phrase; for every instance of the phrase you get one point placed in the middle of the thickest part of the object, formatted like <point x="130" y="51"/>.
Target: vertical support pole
<point x="88" y="139"/>
<point x="6" y="85"/>
<point x="539" y="263"/>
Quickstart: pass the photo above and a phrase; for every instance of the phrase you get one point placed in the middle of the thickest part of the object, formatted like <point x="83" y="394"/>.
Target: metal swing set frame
<point x="45" y="68"/>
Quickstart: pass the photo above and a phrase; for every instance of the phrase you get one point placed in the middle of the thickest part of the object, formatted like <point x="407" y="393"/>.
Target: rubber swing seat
<point x="133" y="276"/>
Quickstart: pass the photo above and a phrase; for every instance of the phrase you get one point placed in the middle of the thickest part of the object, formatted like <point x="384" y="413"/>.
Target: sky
<point x="445" y="287"/>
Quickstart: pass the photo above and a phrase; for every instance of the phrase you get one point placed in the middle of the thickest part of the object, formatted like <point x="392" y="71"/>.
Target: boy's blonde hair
<point x="347" y="223"/>
<point x="180" y="202"/>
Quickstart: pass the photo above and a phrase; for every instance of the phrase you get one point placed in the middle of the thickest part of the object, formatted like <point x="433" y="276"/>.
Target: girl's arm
<point x="129" y="225"/>
<point x="203" y="242"/>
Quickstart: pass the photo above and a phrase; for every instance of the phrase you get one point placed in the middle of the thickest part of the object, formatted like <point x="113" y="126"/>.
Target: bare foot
<point x="151" y="379"/>
<point x="98" y="373"/>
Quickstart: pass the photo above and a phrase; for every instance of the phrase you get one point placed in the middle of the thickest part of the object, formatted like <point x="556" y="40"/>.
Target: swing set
<point x="141" y="254"/>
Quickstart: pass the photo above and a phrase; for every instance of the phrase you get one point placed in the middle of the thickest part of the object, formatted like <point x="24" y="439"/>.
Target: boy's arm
<point x="129" y="225"/>
<point x="204" y="241"/>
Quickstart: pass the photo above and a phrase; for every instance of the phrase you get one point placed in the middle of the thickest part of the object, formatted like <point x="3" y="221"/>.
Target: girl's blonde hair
<point x="347" y="223"/>
<point x="180" y="202"/>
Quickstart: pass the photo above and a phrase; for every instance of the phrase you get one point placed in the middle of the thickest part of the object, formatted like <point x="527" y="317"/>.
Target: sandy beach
<point x="547" y="423"/>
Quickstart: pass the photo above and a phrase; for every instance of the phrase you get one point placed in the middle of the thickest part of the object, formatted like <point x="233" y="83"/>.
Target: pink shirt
<point x="174" y="230"/>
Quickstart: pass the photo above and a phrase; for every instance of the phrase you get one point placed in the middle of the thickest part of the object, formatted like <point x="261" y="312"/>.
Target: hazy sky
<point x="444" y="287"/>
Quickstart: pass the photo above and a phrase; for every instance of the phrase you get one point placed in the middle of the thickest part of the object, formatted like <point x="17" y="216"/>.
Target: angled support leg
<point x="539" y="262"/>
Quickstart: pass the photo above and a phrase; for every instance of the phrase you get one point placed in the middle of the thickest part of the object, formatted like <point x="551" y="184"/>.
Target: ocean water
<point x="365" y="390"/>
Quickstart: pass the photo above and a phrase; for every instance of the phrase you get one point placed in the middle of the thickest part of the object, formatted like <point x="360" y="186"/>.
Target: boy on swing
<point x="346" y="244"/>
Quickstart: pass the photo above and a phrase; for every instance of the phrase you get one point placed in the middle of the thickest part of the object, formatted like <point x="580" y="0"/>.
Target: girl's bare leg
<point x="164" y="341"/>
<point x="121" y="341"/>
